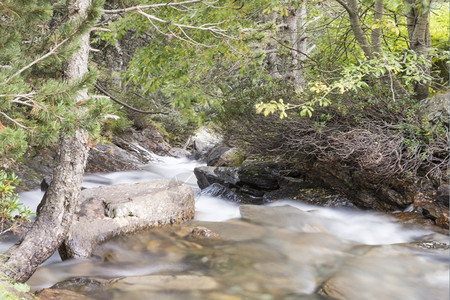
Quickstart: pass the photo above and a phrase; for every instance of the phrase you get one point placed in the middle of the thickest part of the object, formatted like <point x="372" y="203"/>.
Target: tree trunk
<point x="295" y="22"/>
<point x="53" y="222"/>
<point x="374" y="48"/>
<point x="420" y="42"/>
<point x="376" y="32"/>
<point x="61" y="199"/>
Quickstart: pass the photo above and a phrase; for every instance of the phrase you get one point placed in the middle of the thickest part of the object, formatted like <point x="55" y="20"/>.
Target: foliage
<point x="12" y="290"/>
<point x="354" y="119"/>
<point x="181" y="58"/>
<point x="12" y="212"/>
<point x="36" y="102"/>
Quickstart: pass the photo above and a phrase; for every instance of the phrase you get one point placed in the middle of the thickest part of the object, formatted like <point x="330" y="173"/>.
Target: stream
<point x="284" y="250"/>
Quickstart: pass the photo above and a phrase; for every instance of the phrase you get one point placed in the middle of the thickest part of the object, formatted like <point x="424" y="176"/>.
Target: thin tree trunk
<point x="373" y="48"/>
<point x="351" y="6"/>
<point x="297" y="43"/>
<point x="420" y="42"/>
<point x="376" y="32"/>
<point x="61" y="200"/>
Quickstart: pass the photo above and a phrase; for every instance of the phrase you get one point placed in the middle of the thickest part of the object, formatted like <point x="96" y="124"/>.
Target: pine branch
<point x="14" y="121"/>
<point x="52" y="51"/>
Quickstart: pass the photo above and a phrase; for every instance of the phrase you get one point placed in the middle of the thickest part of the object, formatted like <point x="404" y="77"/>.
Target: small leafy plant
<point x="12" y="212"/>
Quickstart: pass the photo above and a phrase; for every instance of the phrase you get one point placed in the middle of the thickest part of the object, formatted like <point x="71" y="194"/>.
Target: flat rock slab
<point x="110" y="211"/>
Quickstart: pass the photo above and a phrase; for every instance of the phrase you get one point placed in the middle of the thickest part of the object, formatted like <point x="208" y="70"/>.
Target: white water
<point x="348" y="226"/>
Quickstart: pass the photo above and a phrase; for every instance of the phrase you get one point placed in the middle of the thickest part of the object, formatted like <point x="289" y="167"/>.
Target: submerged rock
<point x="57" y="294"/>
<point x="388" y="272"/>
<point x="113" y="210"/>
<point x="164" y="283"/>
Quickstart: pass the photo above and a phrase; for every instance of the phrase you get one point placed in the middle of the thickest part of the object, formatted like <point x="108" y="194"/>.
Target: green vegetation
<point x="10" y="290"/>
<point x="12" y="212"/>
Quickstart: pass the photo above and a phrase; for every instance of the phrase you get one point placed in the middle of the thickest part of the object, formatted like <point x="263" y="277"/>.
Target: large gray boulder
<point x="109" y="211"/>
<point x="435" y="109"/>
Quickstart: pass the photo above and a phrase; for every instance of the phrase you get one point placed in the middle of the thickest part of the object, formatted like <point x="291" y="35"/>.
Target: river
<point x="284" y="250"/>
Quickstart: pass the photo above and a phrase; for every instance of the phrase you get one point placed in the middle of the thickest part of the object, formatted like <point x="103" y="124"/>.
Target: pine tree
<point x="44" y="97"/>
<point x="37" y="102"/>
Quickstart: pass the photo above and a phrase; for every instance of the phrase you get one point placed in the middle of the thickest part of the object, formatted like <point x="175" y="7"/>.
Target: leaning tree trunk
<point x="61" y="199"/>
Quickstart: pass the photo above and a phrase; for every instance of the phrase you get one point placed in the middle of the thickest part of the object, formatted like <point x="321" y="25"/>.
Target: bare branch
<point x="52" y="51"/>
<point x="211" y="27"/>
<point x="100" y="29"/>
<point x="14" y="121"/>
<point x="104" y="91"/>
<point x="149" y="6"/>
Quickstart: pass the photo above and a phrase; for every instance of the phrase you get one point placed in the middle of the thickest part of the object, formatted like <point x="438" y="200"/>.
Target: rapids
<point x="285" y="250"/>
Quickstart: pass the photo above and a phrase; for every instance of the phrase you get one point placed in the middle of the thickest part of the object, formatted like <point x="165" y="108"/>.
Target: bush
<point x="12" y="212"/>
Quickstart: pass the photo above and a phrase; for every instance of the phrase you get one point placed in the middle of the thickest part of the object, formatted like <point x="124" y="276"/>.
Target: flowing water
<point x="285" y="250"/>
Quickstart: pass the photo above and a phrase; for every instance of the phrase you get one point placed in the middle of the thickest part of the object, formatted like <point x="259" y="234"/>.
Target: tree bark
<point x="61" y="199"/>
<point x="376" y="32"/>
<point x="295" y="22"/>
<point x="53" y="222"/>
<point x="351" y="6"/>
<point x="373" y="48"/>
<point x="420" y="42"/>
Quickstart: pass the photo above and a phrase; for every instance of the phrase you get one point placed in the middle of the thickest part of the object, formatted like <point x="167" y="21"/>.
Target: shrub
<point x="12" y="212"/>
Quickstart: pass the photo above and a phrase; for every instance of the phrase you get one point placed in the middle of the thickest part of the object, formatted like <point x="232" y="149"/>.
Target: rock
<point x="201" y="232"/>
<point x="224" y="156"/>
<point x="164" y="283"/>
<point x="215" y="154"/>
<point x="218" y="190"/>
<point x="434" y="210"/>
<point x="223" y="175"/>
<point x="232" y="158"/>
<point x="283" y="217"/>
<point x="135" y="287"/>
<point x="204" y="140"/>
<point x="443" y="195"/>
<point x="179" y="152"/>
<point x="404" y="276"/>
<point x="260" y="175"/>
<point x="37" y="164"/>
<point x="255" y="175"/>
<point x="111" y="158"/>
<point x="361" y="191"/>
<point x="435" y="109"/>
<point x="109" y="211"/>
<point x="74" y="289"/>
<point x="58" y="294"/>
<point x="235" y="230"/>
<point x="129" y="151"/>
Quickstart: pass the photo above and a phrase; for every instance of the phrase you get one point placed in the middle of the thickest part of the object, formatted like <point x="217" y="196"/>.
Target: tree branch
<point x="104" y="91"/>
<point x="140" y="7"/>
<point x="14" y="121"/>
<point x="52" y="51"/>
